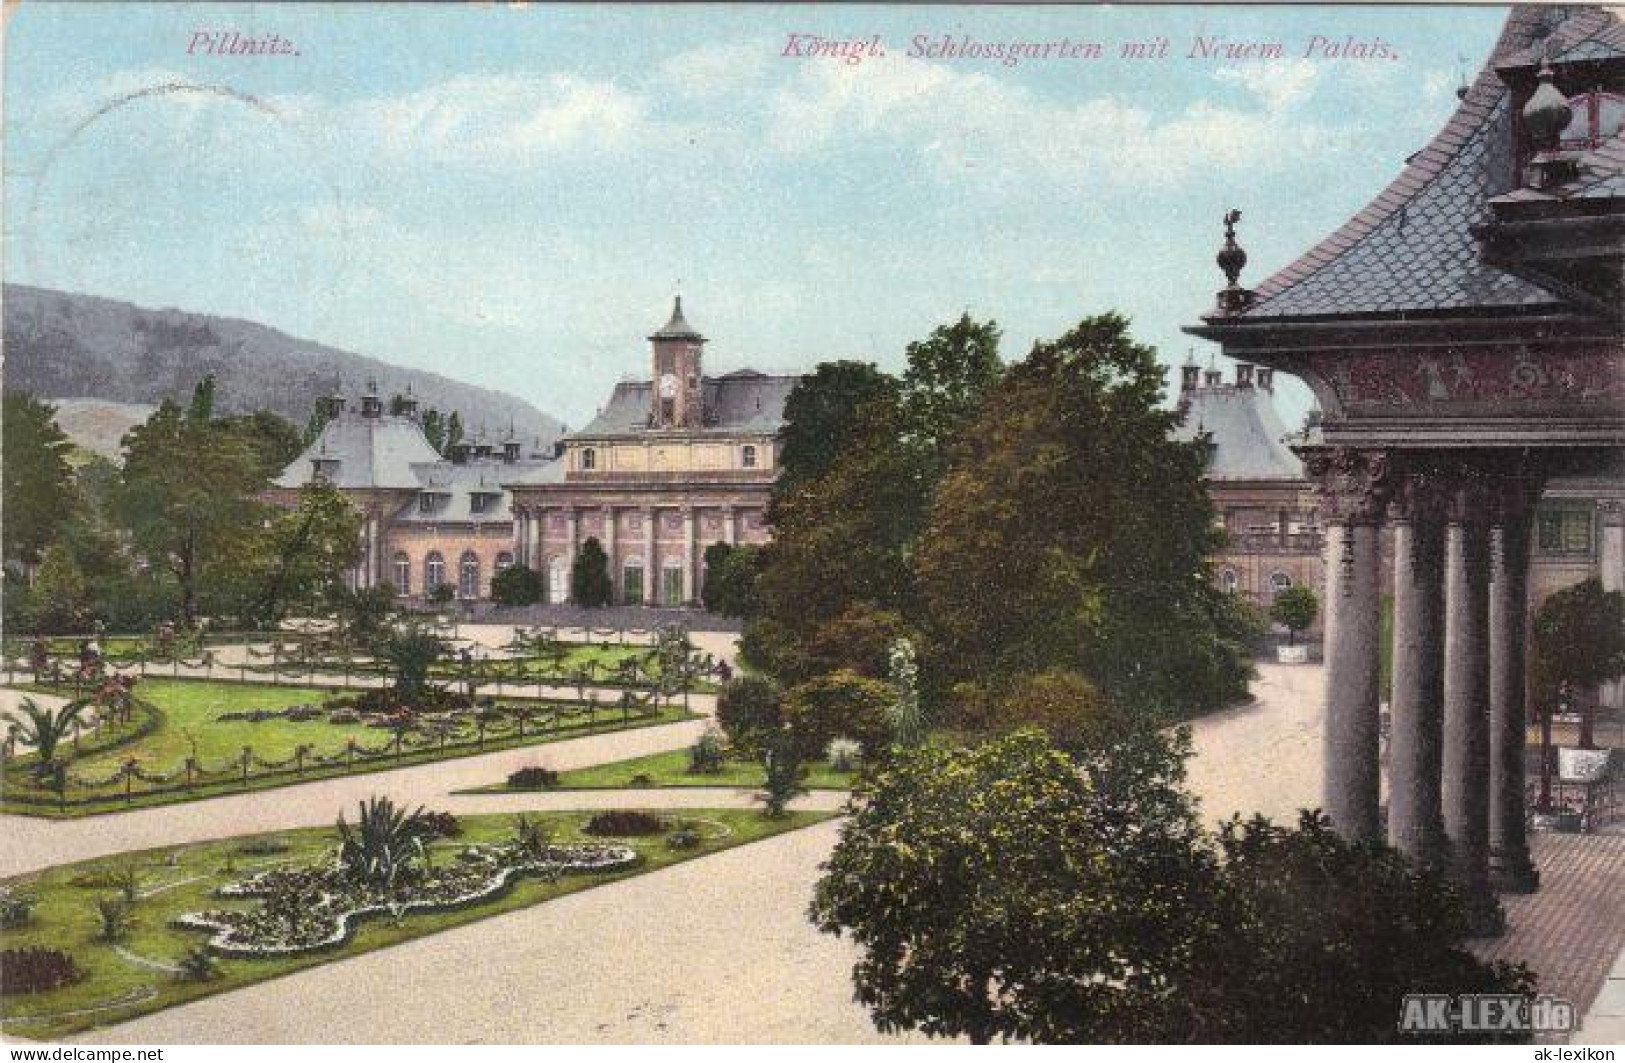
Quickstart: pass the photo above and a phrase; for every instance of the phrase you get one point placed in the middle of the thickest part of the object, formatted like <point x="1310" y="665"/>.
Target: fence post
<point x="349" y="754"/>
<point x="299" y="760"/>
<point x="191" y="769"/>
<point x="248" y="753"/>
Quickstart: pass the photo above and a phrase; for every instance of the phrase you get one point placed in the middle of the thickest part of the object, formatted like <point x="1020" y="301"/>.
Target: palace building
<point x="1464" y="335"/>
<point x="670" y="465"/>
<point x="430" y="521"/>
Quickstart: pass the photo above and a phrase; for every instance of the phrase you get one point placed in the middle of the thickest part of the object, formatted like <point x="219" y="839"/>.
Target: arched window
<point x="403" y="573"/>
<point x="748" y="456"/>
<point x="434" y="572"/>
<point x="504" y="561"/>
<point x="1279" y="581"/>
<point x="468" y="575"/>
<point x="1229" y="580"/>
<point x="589" y="459"/>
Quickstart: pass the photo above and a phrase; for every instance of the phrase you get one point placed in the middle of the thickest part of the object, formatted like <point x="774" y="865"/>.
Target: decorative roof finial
<point x="1231" y="258"/>
<point x="1547" y="113"/>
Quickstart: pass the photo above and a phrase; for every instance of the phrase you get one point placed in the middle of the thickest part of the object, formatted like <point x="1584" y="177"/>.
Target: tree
<point x="273" y="438"/>
<point x="949" y="374"/>
<point x="1578" y="640"/>
<point x="1071" y="531"/>
<point x="37" y="493"/>
<point x="411" y="651"/>
<point x="1344" y="930"/>
<point x="516" y="585"/>
<point x="44" y="728"/>
<point x="839" y="705"/>
<point x="1026" y="903"/>
<point x="730" y="575"/>
<point x="784" y="771"/>
<point x="1295" y="609"/>
<point x="590" y="584"/>
<point x="839" y="541"/>
<point x="748" y="710"/>
<point x="59" y="599"/>
<point x="304" y="554"/>
<point x="434" y="429"/>
<point x="823" y="415"/>
<point x="1010" y="891"/>
<point x="188" y="495"/>
<point x="363" y="613"/>
<point x="1063" y="704"/>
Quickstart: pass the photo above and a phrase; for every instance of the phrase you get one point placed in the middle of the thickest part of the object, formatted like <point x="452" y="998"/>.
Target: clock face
<point x="668" y="387"/>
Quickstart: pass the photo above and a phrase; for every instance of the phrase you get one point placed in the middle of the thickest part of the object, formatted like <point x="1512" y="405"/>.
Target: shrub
<point x="838" y="704"/>
<point x="706" y="755"/>
<point x="843" y="754"/>
<point x="683" y="838"/>
<point x="441" y="825"/>
<point x="533" y="836"/>
<point x="1064" y="704"/>
<point x="198" y="966"/>
<point x="36" y="970"/>
<point x="516" y="585"/>
<point x="622" y="823"/>
<point x="748" y="710"/>
<point x="262" y="847"/>
<point x="15" y="909"/>
<point x="113" y="912"/>
<point x="641" y="780"/>
<point x="785" y="773"/>
<point x="533" y="777"/>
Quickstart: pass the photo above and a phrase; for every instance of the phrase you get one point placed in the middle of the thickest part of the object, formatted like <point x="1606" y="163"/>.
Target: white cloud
<point x="1279" y="84"/>
<point x="969" y="124"/>
<point x="716" y="70"/>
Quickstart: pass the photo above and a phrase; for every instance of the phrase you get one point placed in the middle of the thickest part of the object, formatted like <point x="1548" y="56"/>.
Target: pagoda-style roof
<point x="1413" y="250"/>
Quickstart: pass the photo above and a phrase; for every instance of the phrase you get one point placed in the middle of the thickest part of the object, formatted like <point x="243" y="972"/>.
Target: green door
<point x="632" y="585"/>
<point x="673" y="586"/>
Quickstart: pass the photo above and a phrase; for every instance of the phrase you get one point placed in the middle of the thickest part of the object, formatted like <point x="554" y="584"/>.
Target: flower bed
<point x="313" y="908"/>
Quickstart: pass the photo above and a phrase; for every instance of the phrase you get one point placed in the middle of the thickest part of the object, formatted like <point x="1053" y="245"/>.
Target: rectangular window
<point x="673" y="589"/>
<point x="1566" y="529"/>
<point x="425" y="503"/>
<point x="477" y="501"/>
<point x="632" y="584"/>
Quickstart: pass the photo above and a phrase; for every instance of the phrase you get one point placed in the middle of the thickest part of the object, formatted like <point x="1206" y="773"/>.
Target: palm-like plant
<point x="385" y="847"/>
<point x="44" y="728"/>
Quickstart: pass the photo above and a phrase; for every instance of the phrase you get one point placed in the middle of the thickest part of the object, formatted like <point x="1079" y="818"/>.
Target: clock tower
<point x="675" y="395"/>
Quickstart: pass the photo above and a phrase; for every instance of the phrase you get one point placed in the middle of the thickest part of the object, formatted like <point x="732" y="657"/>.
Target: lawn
<point x="135" y="975"/>
<point x="188" y="725"/>
<point x="671" y="769"/>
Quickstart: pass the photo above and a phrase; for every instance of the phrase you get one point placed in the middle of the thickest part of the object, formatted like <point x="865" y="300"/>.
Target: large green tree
<point x="38" y="488"/>
<point x="300" y="556"/>
<point x="949" y="374"/>
<point x="1578" y="640"/>
<point x="188" y="496"/>
<point x="1009" y="891"/>
<point x="1072" y="532"/>
<point x="824" y="416"/>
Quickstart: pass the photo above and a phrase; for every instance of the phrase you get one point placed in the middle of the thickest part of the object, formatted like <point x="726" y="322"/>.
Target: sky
<point x="511" y="195"/>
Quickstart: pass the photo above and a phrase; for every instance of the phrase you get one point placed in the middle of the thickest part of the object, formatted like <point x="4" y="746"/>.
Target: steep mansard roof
<point x="376" y="452"/>
<point x="1412" y="248"/>
<point x="1245" y="430"/>
<point x="741" y="401"/>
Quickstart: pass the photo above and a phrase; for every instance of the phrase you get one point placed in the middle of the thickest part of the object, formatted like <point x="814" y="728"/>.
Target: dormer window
<point x="324" y="468"/>
<point x="589" y="459"/>
<point x="479" y="502"/>
<point x="747" y="456"/>
<point x="426" y="502"/>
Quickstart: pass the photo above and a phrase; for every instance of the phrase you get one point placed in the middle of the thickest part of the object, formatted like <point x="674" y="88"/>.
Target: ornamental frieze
<point x="1474" y="380"/>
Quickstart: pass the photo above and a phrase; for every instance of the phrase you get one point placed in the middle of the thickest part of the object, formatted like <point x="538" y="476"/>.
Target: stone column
<point x="1354" y="487"/>
<point x="728" y="525"/>
<point x="691" y="590"/>
<point x="1415" y="820"/>
<point x="651" y="574"/>
<point x="1611" y="559"/>
<point x="609" y="549"/>
<point x="1511" y="870"/>
<point x="1466" y="783"/>
<point x="572" y="521"/>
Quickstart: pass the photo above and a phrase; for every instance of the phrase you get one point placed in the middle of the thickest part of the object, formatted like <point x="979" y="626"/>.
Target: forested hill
<point x="66" y="345"/>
